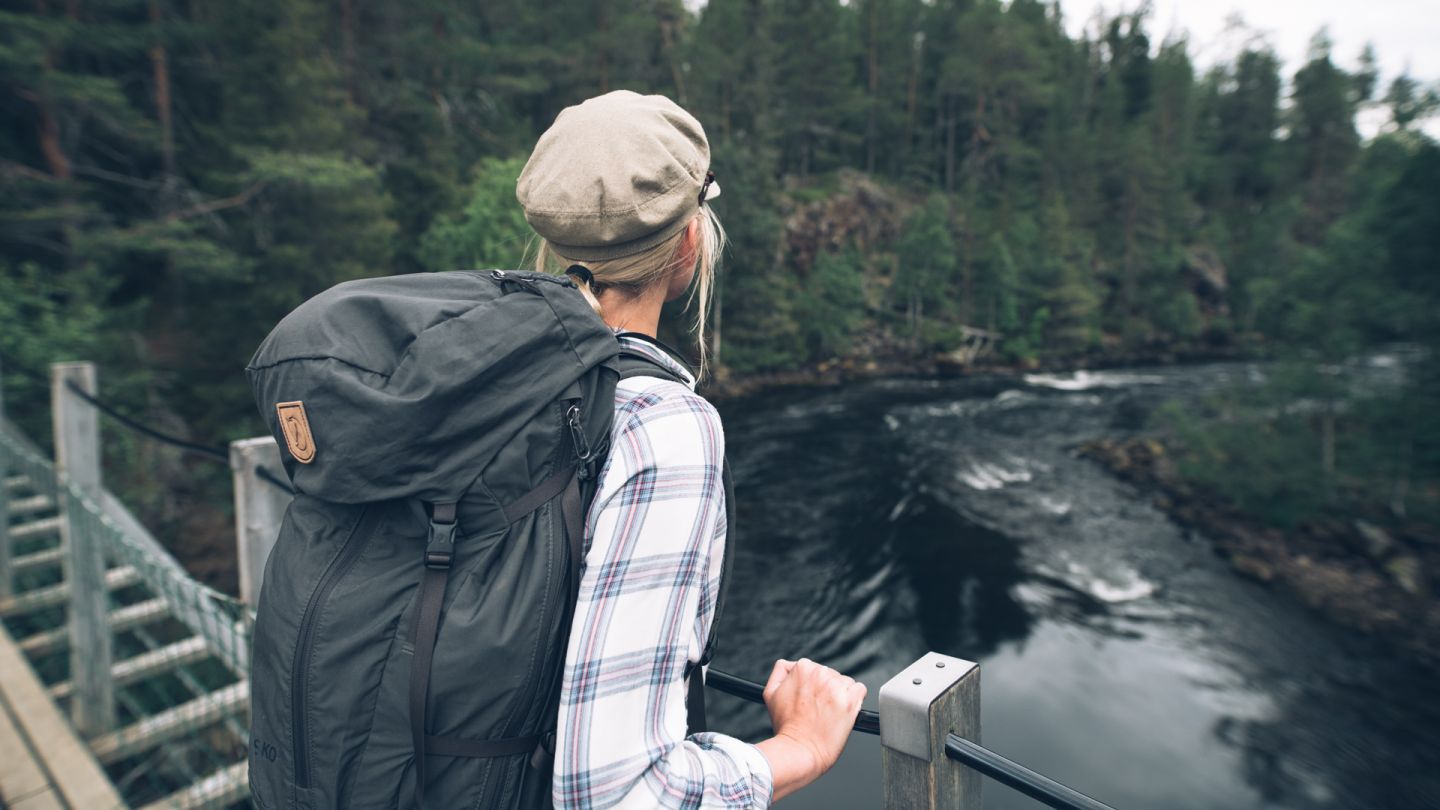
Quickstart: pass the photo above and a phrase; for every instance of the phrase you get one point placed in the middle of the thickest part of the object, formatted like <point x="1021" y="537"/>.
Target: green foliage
<point x="927" y="259"/>
<point x="1178" y="315"/>
<point x="67" y="318"/>
<point x="1307" y="447"/>
<point x="830" y="305"/>
<point x="755" y="328"/>
<point x="1312" y="441"/>
<point x="489" y="232"/>
<point x="1265" y="467"/>
<point x="63" y="322"/>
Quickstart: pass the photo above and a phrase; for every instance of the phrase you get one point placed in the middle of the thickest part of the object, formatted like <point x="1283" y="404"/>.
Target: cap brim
<point x="712" y="192"/>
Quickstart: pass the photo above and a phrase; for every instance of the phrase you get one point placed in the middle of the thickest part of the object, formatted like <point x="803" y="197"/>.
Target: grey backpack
<point x="443" y="433"/>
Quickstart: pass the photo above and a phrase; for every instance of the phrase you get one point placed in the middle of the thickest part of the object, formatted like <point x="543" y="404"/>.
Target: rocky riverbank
<point x="1375" y="576"/>
<point x="886" y="359"/>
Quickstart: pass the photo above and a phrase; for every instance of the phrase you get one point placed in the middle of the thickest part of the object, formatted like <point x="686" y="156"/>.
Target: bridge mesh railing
<point x="179" y="647"/>
<point x="22" y="459"/>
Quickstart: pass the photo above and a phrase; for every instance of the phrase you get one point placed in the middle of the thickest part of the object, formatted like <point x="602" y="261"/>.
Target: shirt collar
<point x="659" y="352"/>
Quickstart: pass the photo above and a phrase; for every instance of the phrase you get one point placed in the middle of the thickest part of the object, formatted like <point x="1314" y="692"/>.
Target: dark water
<point x="1119" y="655"/>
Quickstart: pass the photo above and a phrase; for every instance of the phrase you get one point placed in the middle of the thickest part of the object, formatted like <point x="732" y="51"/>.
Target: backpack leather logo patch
<point x="297" y="430"/>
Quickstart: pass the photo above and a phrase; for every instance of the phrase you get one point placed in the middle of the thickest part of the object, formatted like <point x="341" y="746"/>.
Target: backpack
<point x="444" y="433"/>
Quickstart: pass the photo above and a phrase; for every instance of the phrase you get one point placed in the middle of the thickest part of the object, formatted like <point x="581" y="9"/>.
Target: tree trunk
<point x="47" y="128"/>
<point x="718" y="319"/>
<point x="160" y="69"/>
<point x="1327" y="445"/>
<point x="727" y="90"/>
<point x="967" y="264"/>
<point x="949" y="143"/>
<point x="919" y="321"/>
<point x="437" y="76"/>
<point x="873" y="60"/>
<point x="667" y="43"/>
<point x="347" y="47"/>
<point x="912" y="91"/>
<point x="1128" y="281"/>
<point x="48" y="131"/>
<point x="602" y="61"/>
<point x="1401" y="487"/>
<point x="975" y="163"/>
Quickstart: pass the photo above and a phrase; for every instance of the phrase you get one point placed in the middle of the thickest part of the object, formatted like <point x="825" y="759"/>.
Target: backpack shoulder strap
<point x="634" y="364"/>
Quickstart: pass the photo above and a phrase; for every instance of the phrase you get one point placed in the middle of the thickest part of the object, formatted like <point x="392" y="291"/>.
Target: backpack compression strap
<point x="634" y="364"/>
<point x="439" y="552"/>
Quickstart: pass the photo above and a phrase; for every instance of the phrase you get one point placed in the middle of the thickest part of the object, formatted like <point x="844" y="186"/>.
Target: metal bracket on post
<point x="259" y="508"/>
<point x="77" y="462"/>
<point x="929" y="699"/>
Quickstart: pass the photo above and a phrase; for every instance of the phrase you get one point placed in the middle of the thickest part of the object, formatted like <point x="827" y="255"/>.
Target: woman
<point x="616" y="190"/>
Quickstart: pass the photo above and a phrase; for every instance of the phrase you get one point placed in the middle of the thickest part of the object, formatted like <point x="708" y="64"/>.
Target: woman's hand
<point x="813" y="709"/>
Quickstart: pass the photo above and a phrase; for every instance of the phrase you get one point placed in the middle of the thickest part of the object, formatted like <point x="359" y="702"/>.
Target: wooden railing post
<point x="259" y="508"/>
<point x="77" y="461"/>
<point x="7" y="576"/>
<point x="931" y="698"/>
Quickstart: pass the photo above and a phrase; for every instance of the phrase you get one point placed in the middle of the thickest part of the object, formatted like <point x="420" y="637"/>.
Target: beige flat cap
<point x="615" y="175"/>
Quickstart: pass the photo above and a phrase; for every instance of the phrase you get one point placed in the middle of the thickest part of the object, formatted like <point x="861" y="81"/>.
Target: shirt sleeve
<point x="647" y="597"/>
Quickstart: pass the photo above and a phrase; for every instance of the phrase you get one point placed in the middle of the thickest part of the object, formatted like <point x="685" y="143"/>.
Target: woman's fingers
<point x="823" y="685"/>
<point x="856" y="692"/>
<point x="778" y="674"/>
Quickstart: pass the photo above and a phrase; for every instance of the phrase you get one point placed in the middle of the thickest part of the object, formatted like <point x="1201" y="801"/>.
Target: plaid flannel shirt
<point x="655" y="537"/>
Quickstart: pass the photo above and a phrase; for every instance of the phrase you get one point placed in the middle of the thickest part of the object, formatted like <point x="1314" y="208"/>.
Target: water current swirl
<point x="1119" y="655"/>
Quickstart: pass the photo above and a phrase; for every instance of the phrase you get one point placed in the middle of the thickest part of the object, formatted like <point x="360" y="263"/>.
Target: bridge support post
<point x="259" y="508"/>
<point x="929" y="699"/>
<point x="77" y="461"/>
<point x="7" y="576"/>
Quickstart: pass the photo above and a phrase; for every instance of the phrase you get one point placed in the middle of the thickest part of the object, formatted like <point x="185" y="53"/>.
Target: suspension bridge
<point x="123" y="679"/>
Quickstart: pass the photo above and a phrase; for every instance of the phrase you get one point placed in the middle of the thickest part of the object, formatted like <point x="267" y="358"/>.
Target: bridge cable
<point x="212" y="453"/>
<point x="263" y="473"/>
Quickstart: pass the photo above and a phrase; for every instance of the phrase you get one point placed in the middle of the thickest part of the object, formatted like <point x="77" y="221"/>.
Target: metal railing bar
<point x="1041" y="788"/>
<point x="867" y="722"/>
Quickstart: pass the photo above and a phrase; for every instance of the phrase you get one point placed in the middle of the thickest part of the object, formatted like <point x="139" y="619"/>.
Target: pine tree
<point x="816" y="88"/>
<point x="925" y="267"/>
<point x="1323" y="140"/>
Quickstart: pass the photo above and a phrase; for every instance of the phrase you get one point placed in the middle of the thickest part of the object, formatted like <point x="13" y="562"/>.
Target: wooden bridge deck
<point x="37" y="744"/>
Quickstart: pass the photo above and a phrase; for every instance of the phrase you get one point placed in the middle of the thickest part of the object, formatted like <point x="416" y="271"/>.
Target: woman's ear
<point x="691" y="245"/>
<point x="688" y="252"/>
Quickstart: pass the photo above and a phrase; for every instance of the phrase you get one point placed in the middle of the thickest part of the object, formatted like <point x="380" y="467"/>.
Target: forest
<point x="178" y="175"/>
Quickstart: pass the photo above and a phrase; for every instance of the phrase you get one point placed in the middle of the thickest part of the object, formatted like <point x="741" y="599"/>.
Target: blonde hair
<point x="638" y="272"/>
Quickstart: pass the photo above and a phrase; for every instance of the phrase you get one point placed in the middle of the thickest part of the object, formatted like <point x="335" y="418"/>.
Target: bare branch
<point x="11" y="169"/>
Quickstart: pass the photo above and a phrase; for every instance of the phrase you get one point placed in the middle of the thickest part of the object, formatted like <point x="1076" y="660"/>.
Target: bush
<point x="490" y="231"/>
<point x="831" y="303"/>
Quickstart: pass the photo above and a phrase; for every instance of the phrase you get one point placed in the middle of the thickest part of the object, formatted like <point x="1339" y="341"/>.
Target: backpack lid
<point x="408" y="386"/>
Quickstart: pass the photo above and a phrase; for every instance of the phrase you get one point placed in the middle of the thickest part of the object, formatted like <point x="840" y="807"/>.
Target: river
<point x="1119" y="655"/>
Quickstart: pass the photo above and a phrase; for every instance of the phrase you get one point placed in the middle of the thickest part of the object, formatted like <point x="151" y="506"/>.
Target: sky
<point x="1405" y="33"/>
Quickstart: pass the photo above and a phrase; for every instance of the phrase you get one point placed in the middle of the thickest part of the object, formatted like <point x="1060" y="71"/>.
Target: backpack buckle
<point x="440" y="550"/>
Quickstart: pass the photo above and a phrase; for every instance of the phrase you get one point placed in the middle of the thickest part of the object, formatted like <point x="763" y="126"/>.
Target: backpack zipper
<point x="300" y="674"/>
<point x="524" y="279"/>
